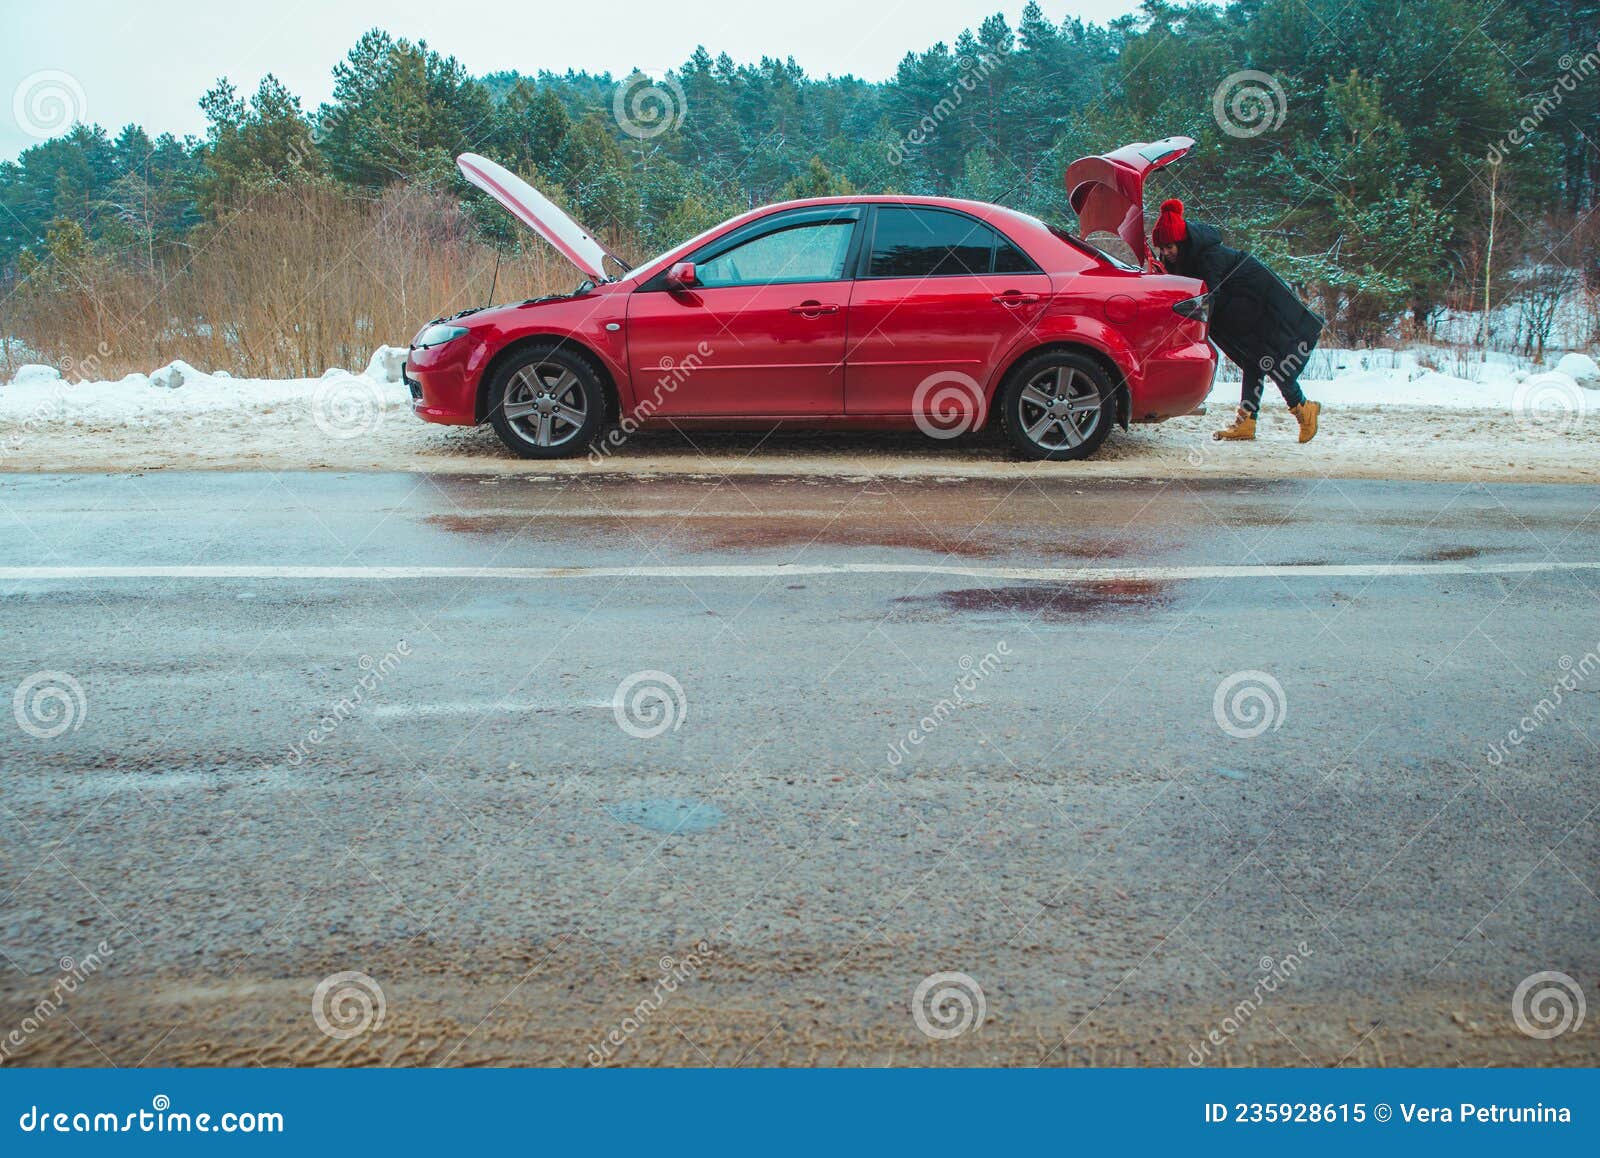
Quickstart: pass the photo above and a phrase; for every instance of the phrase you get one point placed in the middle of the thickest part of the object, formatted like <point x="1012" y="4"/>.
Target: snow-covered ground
<point x="1415" y="413"/>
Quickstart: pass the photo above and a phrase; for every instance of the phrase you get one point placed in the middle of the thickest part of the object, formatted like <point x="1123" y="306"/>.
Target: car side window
<point x="1009" y="259"/>
<point x="809" y="252"/>
<point x="915" y="242"/>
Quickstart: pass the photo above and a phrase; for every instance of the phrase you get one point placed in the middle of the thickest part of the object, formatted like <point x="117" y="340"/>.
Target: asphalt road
<point x="1216" y="771"/>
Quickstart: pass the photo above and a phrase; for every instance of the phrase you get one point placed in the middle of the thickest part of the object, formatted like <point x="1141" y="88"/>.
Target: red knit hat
<point x="1170" y="228"/>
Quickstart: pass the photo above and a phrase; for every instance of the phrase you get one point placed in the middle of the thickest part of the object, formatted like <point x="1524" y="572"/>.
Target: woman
<point x="1256" y="320"/>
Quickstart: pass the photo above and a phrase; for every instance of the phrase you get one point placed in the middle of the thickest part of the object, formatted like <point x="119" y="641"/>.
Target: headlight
<point x="437" y="335"/>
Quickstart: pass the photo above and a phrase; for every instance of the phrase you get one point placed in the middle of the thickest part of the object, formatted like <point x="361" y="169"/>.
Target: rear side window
<point x="1009" y="259"/>
<point x="914" y="242"/>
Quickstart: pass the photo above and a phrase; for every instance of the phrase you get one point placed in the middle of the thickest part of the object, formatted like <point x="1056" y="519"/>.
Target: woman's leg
<point x="1243" y="428"/>
<point x="1286" y="376"/>
<point x="1250" y="389"/>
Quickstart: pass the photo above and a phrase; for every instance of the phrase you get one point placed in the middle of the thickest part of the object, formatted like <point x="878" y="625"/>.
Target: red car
<point x="840" y="313"/>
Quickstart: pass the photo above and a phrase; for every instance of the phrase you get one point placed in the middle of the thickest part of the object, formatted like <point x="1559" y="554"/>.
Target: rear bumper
<point x="1174" y="383"/>
<point x="443" y="381"/>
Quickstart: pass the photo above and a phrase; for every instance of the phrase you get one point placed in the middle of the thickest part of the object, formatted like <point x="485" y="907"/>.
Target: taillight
<point x="1196" y="309"/>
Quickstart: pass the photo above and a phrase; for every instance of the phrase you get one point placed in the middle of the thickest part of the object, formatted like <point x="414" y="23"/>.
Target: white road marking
<point x="482" y="708"/>
<point x="802" y="570"/>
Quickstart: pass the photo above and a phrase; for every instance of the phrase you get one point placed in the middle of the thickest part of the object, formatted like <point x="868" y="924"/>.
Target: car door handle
<point x="813" y="309"/>
<point x="1013" y="298"/>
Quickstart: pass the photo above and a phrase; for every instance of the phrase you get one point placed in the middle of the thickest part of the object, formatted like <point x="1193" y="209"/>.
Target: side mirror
<point x="681" y="276"/>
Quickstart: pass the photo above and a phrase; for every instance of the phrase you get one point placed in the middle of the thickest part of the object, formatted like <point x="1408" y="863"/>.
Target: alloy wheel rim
<point x="546" y="404"/>
<point x="1061" y="408"/>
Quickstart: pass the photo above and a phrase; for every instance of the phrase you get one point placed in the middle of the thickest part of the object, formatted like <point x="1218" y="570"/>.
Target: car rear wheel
<point x="1057" y="405"/>
<point x="547" y="402"/>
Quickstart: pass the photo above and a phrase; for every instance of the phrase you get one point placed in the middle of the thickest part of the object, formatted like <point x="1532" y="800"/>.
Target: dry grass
<point x="287" y="286"/>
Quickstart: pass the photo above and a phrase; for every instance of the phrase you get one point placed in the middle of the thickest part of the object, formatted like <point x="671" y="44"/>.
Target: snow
<point x="1386" y="378"/>
<point x="1417" y="377"/>
<point x="173" y="375"/>
<point x="1581" y="369"/>
<point x="1432" y="413"/>
<point x="38" y="395"/>
<point x="36" y="375"/>
<point x="386" y="364"/>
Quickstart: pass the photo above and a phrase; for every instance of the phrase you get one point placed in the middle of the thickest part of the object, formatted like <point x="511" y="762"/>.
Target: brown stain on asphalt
<point x="756" y="535"/>
<point x="479" y="524"/>
<point x="1047" y="603"/>
<point x="760" y="532"/>
<point x="1451" y="554"/>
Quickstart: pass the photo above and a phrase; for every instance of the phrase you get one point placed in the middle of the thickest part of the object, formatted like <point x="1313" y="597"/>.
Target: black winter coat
<point x="1256" y="319"/>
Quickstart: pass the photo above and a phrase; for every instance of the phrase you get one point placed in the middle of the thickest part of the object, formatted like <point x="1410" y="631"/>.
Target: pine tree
<point x="263" y="143"/>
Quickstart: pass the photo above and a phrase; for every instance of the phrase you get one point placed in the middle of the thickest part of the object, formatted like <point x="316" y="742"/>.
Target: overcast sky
<point x="119" y="62"/>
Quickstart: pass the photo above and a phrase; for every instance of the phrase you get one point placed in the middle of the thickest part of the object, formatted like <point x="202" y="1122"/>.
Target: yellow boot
<point x="1307" y="413"/>
<point x="1242" y="430"/>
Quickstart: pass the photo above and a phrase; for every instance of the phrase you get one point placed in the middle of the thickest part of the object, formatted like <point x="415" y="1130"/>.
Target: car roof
<point x="977" y="208"/>
<point x="1020" y="227"/>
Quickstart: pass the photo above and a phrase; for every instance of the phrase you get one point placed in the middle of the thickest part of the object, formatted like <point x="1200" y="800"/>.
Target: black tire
<point x="547" y="402"/>
<point x="1057" y="405"/>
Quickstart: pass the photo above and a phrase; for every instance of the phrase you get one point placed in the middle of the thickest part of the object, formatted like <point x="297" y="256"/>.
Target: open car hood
<point x="1107" y="192"/>
<point x="540" y="214"/>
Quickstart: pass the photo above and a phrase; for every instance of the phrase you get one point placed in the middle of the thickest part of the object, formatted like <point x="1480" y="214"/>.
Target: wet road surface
<point x="1239" y="771"/>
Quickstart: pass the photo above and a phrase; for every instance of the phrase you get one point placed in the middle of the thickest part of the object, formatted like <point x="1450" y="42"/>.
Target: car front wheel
<point x="547" y="403"/>
<point x="1057" y="405"/>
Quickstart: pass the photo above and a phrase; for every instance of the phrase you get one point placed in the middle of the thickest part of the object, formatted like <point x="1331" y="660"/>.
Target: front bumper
<point x="443" y="380"/>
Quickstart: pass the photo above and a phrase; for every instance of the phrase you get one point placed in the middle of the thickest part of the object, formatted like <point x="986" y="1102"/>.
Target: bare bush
<point x="296" y="281"/>
<point x="1538" y="297"/>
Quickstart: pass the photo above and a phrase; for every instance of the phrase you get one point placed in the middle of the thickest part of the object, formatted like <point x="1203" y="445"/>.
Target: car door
<point x="940" y="296"/>
<point x="762" y="330"/>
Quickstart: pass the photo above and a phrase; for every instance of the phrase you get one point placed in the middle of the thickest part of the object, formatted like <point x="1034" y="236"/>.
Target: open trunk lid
<point x="1107" y="191"/>
<point x="540" y="214"/>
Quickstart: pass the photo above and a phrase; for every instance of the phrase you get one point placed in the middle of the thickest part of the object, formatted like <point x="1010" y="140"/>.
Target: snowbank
<point x="1389" y="414"/>
<point x="1394" y="378"/>
<point x="337" y="401"/>
<point x="1581" y="369"/>
<point x="1336" y="377"/>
